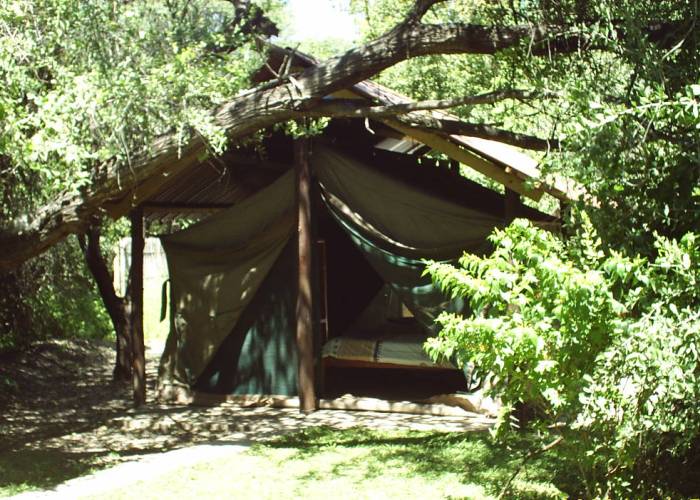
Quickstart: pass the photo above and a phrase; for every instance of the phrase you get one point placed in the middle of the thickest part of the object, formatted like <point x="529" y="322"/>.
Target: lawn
<point x="358" y="463"/>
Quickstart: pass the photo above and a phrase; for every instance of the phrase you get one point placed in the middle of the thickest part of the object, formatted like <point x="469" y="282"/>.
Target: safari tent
<point x="308" y="255"/>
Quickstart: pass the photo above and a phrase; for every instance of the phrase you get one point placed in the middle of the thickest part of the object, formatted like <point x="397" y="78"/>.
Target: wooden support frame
<point x="512" y="204"/>
<point x="455" y="152"/>
<point x="138" y="359"/>
<point x="308" y="401"/>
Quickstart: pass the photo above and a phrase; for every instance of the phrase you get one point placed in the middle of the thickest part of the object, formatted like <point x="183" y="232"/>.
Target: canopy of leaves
<point x="95" y="80"/>
<point x="627" y="113"/>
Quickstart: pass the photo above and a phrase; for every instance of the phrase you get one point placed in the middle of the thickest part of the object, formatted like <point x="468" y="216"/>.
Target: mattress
<point x="395" y="348"/>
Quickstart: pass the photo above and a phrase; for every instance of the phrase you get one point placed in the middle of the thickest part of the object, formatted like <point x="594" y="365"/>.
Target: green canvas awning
<point x="216" y="268"/>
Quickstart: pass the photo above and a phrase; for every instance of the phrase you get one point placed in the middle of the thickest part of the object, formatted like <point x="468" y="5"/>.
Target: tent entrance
<point x="363" y="307"/>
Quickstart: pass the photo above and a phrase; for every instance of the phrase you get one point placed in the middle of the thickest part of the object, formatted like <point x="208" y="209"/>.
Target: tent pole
<point x="512" y="205"/>
<point x="304" y="309"/>
<point x="136" y="289"/>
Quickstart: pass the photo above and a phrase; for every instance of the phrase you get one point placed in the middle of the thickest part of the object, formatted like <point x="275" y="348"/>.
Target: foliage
<point x="91" y="82"/>
<point x="603" y="342"/>
<point x="304" y="128"/>
<point x="52" y="296"/>
<point x="539" y="321"/>
<point x="640" y="164"/>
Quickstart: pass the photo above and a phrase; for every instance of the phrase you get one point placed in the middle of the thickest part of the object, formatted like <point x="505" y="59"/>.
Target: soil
<point x="58" y="400"/>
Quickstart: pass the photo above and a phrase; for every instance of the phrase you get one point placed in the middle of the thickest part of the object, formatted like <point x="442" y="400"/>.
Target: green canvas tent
<point x="380" y="207"/>
<point x="232" y="276"/>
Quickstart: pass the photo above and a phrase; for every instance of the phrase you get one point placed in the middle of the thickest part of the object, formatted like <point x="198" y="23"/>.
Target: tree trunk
<point x="118" y="308"/>
<point x="305" y="295"/>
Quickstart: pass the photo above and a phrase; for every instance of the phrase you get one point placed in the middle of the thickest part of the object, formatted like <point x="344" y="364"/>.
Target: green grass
<point x="357" y="463"/>
<point x="22" y="471"/>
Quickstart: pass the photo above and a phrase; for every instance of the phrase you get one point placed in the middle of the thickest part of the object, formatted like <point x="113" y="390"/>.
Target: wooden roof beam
<point x="509" y="179"/>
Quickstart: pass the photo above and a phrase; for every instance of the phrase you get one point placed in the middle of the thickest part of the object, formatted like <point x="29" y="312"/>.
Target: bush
<point x="603" y="346"/>
<point x="51" y="296"/>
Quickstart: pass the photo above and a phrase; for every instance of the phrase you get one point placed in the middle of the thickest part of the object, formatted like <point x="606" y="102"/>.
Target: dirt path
<point x="65" y="414"/>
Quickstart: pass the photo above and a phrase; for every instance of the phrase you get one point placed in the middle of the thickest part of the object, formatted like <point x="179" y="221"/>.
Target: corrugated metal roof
<point x="210" y="186"/>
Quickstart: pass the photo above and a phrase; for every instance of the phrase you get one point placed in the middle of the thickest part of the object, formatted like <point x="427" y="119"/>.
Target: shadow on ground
<point x="66" y="418"/>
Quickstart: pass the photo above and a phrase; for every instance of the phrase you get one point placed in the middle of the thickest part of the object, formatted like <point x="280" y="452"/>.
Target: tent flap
<point x="397" y="225"/>
<point x="216" y="268"/>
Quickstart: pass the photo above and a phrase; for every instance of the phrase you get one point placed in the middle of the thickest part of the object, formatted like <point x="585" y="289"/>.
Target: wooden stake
<point x="304" y="310"/>
<point x="136" y="289"/>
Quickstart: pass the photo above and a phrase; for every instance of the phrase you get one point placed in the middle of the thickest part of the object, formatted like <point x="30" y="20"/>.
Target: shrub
<point x="602" y="345"/>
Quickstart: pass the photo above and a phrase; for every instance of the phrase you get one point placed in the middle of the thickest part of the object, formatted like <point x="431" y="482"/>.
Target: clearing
<point x="63" y="418"/>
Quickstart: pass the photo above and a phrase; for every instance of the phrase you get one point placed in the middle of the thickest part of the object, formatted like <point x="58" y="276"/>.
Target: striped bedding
<point x="394" y="348"/>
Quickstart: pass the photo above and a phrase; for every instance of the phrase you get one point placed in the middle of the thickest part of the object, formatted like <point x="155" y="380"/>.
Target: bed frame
<point x="329" y="362"/>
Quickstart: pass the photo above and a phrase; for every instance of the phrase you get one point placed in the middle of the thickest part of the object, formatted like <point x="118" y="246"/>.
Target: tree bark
<point x="118" y="308"/>
<point x="285" y="99"/>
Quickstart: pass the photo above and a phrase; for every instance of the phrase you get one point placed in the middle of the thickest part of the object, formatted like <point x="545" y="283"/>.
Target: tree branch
<point x="436" y="104"/>
<point x="410" y="114"/>
<point x="527" y="458"/>
<point x="419" y="9"/>
<point x="268" y="105"/>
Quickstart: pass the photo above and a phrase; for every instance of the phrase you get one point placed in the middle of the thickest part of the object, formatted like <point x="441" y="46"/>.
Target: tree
<point x="104" y="174"/>
<point x="602" y="346"/>
<point x="118" y="308"/>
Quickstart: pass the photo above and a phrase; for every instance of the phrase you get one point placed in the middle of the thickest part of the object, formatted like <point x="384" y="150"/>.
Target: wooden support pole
<point x="304" y="310"/>
<point x="136" y="288"/>
<point x="511" y="206"/>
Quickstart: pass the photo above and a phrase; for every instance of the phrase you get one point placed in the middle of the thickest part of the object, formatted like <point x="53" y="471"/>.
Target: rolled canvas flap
<point x="216" y="268"/>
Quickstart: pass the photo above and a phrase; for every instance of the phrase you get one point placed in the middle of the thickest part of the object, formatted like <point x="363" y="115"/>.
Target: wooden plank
<point x="304" y="310"/>
<point x="138" y="241"/>
<point x="455" y="152"/>
<point x="175" y="207"/>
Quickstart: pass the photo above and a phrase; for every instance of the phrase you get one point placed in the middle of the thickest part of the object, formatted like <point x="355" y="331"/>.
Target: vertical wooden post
<point x="136" y="288"/>
<point x="304" y="310"/>
<point x="511" y="206"/>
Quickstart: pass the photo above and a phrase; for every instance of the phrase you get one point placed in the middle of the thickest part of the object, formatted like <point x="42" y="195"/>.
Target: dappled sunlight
<point x="79" y="410"/>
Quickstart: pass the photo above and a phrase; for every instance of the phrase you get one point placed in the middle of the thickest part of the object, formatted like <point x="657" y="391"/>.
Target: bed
<point x="397" y="344"/>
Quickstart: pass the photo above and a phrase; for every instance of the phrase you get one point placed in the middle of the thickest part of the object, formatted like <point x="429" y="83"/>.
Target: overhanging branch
<point x="436" y="104"/>
<point x="290" y="97"/>
<point x="413" y="115"/>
